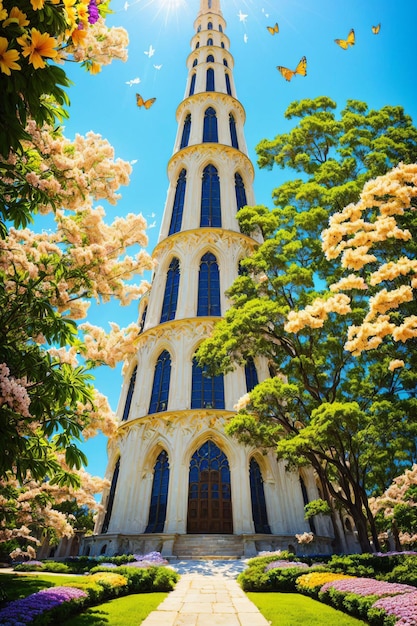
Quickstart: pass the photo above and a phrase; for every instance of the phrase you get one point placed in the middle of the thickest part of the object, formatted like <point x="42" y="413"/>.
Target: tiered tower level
<point x="176" y="477"/>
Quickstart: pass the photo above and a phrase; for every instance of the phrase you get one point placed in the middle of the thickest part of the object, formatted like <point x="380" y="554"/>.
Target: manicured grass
<point x="15" y="586"/>
<point x="127" y="611"/>
<point x="294" y="609"/>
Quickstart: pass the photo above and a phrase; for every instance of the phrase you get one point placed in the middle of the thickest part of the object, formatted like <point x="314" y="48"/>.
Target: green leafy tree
<point x="351" y="419"/>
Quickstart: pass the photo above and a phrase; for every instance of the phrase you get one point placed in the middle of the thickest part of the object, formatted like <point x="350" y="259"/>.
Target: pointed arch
<point x="169" y="305"/>
<point x="178" y="207"/>
<point x="129" y="395"/>
<point x="110" y="499"/>
<point x="208" y="286"/>
<point x="159" y="495"/>
<point x="259" y="513"/>
<point x="240" y="191"/>
<point x="209" y="493"/>
<point x="160" y="386"/>
<point x="210" y="79"/>
<point x="210" y="59"/>
<point x="143" y="318"/>
<point x="233" y="133"/>
<point x="210" y="214"/>
<point x="207" y="392"/>
<point x="210" y="126"/>
<point x="209" y="26"/>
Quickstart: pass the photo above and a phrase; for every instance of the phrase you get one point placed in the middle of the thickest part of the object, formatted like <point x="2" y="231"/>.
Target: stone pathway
<point x="207" y="595"/>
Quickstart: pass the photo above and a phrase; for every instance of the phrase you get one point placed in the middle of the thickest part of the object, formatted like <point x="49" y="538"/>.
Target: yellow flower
<point x="8" y="57"/>
<point x="82" y="10"/>
<point x="37" y="4"/>
<point x="78" y="36"/>
<point x="17" y="16"/>
<point x="95" y="68"/>
<point x="40" y="45"/>
<point x="3" y="11"/>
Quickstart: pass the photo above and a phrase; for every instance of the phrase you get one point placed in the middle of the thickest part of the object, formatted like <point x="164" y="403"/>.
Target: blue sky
<point x="379" y="69"/>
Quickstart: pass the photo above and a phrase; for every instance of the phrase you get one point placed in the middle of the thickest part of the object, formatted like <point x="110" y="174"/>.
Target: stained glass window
<point x="210" y="79"/>
<point x="210" y="198"/>
<point x="159" y="496"/>
<point x="169" y="305"/>
<point x="210" y="125"/>
<point x="208" y="286"/>
<point x="186" y="131"/>
<point x="233" y="133"/>
<point x="129" y="395"/>
<point x="207" y="392"/>
<point x="251" y="375"/>
<point x="178" y="207"/>
<point x="259" y="514"/>
<point x="160" y="387"/>
<point x="110" y="500"/>
<point x="240" y="192"/>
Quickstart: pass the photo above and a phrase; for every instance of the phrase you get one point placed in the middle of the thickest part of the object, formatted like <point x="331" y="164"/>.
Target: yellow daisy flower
<point x="3" y="11"/>
<point x="37" y="47"/>
<point x="8" y="58"/>
<point x="37" y="4"/>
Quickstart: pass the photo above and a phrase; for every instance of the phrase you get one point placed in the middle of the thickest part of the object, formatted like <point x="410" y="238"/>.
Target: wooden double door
<point x="209" y="495"/>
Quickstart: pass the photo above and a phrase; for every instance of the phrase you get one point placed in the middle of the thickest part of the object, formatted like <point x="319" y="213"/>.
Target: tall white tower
<point x="178" y="483"/>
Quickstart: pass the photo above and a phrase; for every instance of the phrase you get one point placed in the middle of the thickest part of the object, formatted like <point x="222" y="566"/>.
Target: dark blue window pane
<point x="225" y="63"/>
<point x="192" y="84"/>
<point x="306" y="501"/>
<point x="222" y="44"/>
<point x="143" y="319"/>
<point x="233" y="134"/>
<point x="160" y="387"/>
<point x="209" y="26"/>
<point x="195" y="62"/>
<point x="210" y="79"/>
<point x="240" y="192"/>
<point x="210" y="59"/>
<point x="209" y="42"/>
<point x="259" y="514"/>
<point x="186" y="131"/>
<point x="207" y="392"/>
<point x="210" y="126"/>
<point x="110" y="501"/>
<point x="169" y="305"/>
<point x="159" y="496"/>
<point x="251" y="375"/>
<point x="177" y="209"/>
<point x="129" y="395"/>
<point x="228" y="85"/>
<point x="208" y="286"/>
<point x="210" y="198"/>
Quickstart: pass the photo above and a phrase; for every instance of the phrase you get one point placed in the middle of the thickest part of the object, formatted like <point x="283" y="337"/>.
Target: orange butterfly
<point x="273" y="29"/>
<point x="376" y="29"/>
<point x="144" y="103"/>
<point x="300" y="69"/>
<point x="345" y="43"/>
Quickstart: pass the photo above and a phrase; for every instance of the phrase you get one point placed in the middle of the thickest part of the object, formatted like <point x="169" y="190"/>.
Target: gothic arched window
<point x="197" y="45"/>
<point x="159" y="496"/>
<point x="110" y="500"/>
<point x="192" y="84"/>
<point x="129" y="395"/>
<point x="209" y="26"/>
<point x="160" y="387"/>
<point x="240" y="192"/>
<point x="222" y="44"/>
<point x="306" y="501"/>
<point x="143" y="318"/>
<point x="210" y="198"/>
<point x="233" y="133"/>
<point x="259" y="514"/>
<point x="186" y="131"/>
<point x="169" y="305"/>
<point x="210" y="79"/>
<point x="208" y="286"/>
<point x="220" y="28"/>
<point x="251" y="375"/>
<point x="177" y="209"/>
<point x="195" y="62"/>
<point x="225" y="63"/>
<point x="210" y="126"/>
<point x="228" y="85"/>
<point x="209" y="41"/>
<point x="210" y="59"/>
<point x="207" y="392"/>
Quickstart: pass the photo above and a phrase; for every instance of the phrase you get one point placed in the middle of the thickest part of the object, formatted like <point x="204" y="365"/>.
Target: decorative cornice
<point x="187" y="239"/>
<point x="172" y="420"/>
<point x="204" y="97"/>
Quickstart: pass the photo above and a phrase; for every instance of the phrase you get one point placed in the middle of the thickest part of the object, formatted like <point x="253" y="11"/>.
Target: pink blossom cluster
<point x="403" y="607"/>
<point x="13" y="392"/>
<point x="368" y="587"/>
<point x="305" y="537"/>
<point x="285" y="565"/>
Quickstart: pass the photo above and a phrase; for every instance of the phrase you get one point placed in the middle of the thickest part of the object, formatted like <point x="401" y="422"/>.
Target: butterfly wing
<point x="302" y="67"/>
<point x="139" y="100"/>
<point x="148" y="103"/>
<point x="273" y="29"/>
<point x="342" y="43"/>
<point x="285" y="72"/>
<point x="376" y="29"/>
<point x="351" y="38"/>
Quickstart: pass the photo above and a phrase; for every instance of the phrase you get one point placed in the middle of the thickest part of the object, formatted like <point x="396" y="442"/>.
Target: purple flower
<point x="368" y="587"/>
<point x="23" y="611"/>
<point x="285" y="565"/>
<point x="93" y="13"/>
<point x="403" y="607"/>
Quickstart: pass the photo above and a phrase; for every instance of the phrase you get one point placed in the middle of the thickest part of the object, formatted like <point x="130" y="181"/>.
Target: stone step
<point x="208" y="546"/>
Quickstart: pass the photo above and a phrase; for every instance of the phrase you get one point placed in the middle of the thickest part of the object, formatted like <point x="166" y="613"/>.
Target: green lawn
<point x="127" y="611"/>
<point x="16" y="586"/>
<point x="294" y="609"/>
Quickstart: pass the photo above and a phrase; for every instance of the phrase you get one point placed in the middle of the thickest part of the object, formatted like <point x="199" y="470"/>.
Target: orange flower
<point x="37" y="4"/>
<point x="7" y="57"/>
<point x="16" y="16"/>
<point x="3" y="11"/>
<point x="39" y="46"/>
<point x="78" y="36"/>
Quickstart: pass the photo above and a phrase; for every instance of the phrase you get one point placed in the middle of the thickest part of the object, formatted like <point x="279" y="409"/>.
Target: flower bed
<point x="25" y="610"/>
<point x="402" y="609"/>
<point x="311" y="583"/>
